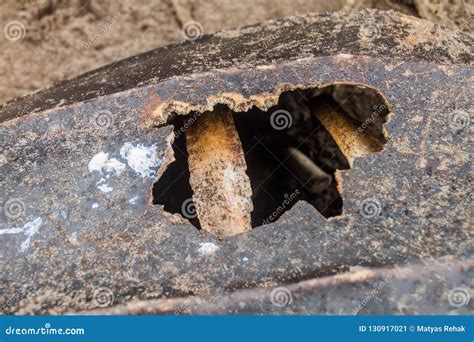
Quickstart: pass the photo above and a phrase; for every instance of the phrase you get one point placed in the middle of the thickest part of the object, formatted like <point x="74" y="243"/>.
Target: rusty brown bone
<point x="346" y="132"/>
<point x="221" y="187"/>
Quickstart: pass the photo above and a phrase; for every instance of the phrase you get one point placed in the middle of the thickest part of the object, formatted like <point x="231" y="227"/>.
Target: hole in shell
<point x="292" y="151"/>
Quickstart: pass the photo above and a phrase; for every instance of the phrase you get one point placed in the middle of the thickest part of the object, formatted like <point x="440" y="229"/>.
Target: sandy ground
<point x="45" y="41"/>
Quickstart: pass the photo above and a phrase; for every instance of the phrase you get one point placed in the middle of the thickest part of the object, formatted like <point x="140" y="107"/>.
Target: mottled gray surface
<point x="419" y="186"/>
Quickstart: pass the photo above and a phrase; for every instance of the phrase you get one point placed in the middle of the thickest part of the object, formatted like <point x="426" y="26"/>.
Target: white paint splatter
<point x="29" y="229"/>
<point x="11" y="231"/>
<point x="133" y="200"/>
<point x="101" y="163"/>
<point x="105" y="187"/>
<point x="95" y="205"/>
<point x="73" y="239"/>
<point x="141" y="158"/>
<point x="207" y="248"/>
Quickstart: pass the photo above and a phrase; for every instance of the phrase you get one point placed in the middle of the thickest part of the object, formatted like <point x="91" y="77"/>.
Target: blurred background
<point x="45" y="41"/>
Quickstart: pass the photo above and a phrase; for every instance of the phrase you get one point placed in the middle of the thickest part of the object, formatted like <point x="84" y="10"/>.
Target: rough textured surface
<point x="69" y="37"/>
<point x="453" y="14"/>
<point x="78" y="163"/>
<point x="381" y="34"/>
<point x="415" y="289"/>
